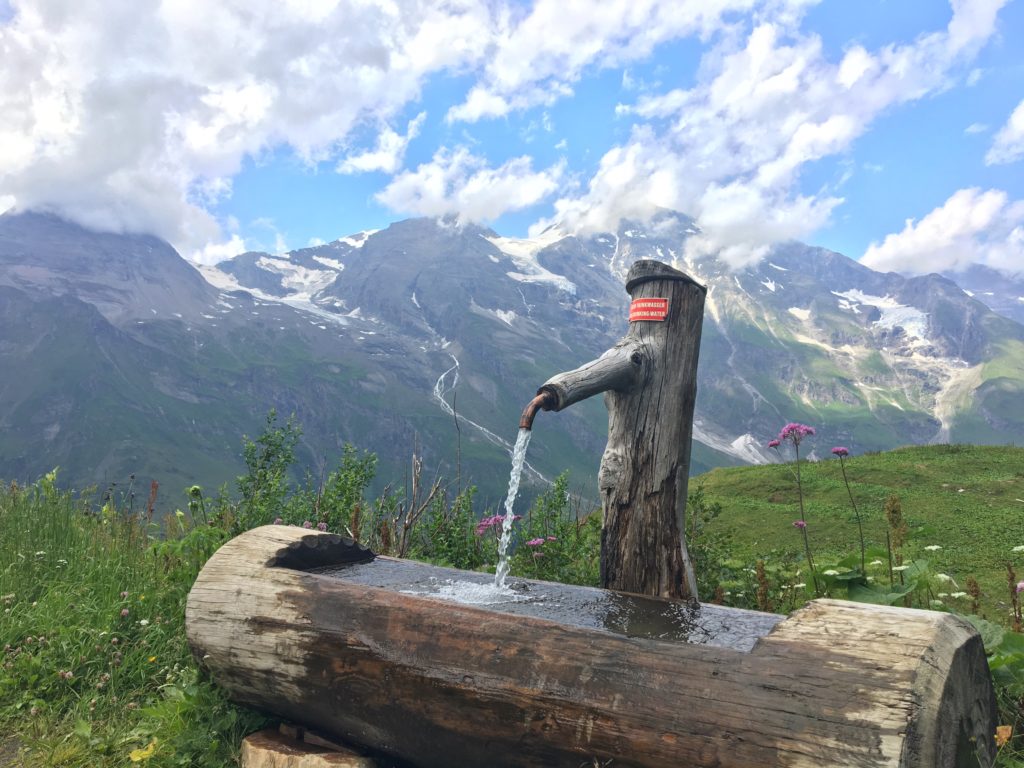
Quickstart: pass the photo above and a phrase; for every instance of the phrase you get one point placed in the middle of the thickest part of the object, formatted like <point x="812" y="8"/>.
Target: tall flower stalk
<point x="795" y="433"/>
<point x="842" y="453"/>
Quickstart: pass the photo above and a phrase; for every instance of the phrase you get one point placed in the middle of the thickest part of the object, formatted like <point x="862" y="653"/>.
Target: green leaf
<point x="992" y="635"/>
<point x="862" y="593"/>
<point x="83" y="729"/>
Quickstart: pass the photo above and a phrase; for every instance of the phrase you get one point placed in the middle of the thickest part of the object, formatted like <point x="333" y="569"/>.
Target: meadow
<point x="95" y="670"/>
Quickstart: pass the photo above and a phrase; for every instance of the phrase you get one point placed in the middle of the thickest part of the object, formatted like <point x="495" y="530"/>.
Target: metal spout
<point x="542" y="401"/>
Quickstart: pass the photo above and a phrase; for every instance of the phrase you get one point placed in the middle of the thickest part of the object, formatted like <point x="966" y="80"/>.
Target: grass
<point x="95" y="667"/>
<point x="968" y="500"/>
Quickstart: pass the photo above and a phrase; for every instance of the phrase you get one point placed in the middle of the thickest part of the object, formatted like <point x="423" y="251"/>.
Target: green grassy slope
<point x="967" y="499"/>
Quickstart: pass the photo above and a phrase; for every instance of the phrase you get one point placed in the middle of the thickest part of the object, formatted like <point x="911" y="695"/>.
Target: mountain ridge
<point x="382" y="337"/>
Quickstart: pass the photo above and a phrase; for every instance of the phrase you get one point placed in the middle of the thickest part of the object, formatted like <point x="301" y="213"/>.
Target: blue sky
<point x="891" y="130"/>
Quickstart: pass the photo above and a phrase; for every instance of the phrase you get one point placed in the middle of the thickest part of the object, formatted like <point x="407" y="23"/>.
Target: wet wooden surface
<point x="836" y="684"/>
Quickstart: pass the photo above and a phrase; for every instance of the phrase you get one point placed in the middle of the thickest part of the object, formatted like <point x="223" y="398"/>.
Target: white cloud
<point x="535" y="59"/>
<point x="730" y="150"/>
<point x="216" y="252"/>
<point x="971" y="227"/>
<point x="1008" y="144"/>
<point x="976" y="128"/>
<point x="133" y="116"/>
<point x="458" y="182"/>
<point x="389" y="153"/>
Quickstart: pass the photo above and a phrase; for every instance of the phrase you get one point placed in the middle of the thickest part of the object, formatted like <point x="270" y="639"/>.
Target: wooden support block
<point x="272" y="749"/>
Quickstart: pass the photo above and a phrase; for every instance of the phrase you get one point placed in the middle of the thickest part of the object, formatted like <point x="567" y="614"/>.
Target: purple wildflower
<point x="535" y="542"/>
<point x="307" y="524"/>
<point x="1020" y="587"/>
<point x="322" y="527"/>
<point x="840" y="451"/>
<point x="799" y="524"/>
<point x="552" y="538"/>
<point x="773" y="443"/>
<point x="795" y="432"/>
<point x="489" y="522"/>
<point x="124" y="612"/>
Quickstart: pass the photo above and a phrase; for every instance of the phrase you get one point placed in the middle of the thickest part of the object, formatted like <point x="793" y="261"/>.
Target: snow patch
<point x="776" y="266"/>
<point x="505" y="316"/>
<point x="745" y="447"/>
<point x="803" y="314"/>
<point x="523" y="253"/>
<point x="358" y="240"/>
<point x="413" y="297"/>
<point x="332" y="263"/>
<point x="771" y="285"/>
<point x="298" y="279"/>
<point x="912" y="320"/>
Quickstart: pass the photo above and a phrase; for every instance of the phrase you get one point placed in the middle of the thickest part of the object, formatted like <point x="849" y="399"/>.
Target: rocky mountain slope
<point x="128" y="360"/>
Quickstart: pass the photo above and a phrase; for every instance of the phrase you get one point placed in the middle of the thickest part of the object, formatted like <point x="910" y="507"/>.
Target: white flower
<point x="936" y="603"/>
<point x="1018" y="548"/>
<point x="900" y="567"/>
<point x="144" y="623"/>
<point x="875" y="562"/>
<point x="933" y="547"/>
<point x="943" y="594"/>
<point x="801" y="585"/>
<point x="943" y="577"/>
<point x="959" y="594"/>
<point x="830" y="572"/>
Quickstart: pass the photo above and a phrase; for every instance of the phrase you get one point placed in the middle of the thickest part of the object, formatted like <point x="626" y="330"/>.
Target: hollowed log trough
<point x="317" y="630"/>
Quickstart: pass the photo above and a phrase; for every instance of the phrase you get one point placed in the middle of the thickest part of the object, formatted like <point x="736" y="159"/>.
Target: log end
<point x="920" y="678"/>
<point x="271" y="749"/>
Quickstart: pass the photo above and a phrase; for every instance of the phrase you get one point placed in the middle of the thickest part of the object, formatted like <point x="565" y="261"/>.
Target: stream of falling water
<point x="518" y="458"/>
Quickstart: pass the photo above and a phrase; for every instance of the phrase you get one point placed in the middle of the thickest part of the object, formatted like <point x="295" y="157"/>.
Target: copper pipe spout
<point x="541" y="401"/>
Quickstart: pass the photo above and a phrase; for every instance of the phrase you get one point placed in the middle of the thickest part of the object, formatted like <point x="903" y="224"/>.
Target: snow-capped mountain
<point x="392" y="338"/>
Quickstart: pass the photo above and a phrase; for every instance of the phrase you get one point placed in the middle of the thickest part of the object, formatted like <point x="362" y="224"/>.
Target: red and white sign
<point x="654" y="310"/>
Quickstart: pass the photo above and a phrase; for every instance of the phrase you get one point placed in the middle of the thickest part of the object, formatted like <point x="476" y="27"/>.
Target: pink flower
<point x="322" y="527"/>
<point x="840" y="451"/>
<point x="489" y="522"/>
<point x="799" y="524"/>
<point x="278" y="521"/>
<point x="795" y="432"/>
<point x="552" y="538"/>
<point x="1020" y="587"/>
<point x="124" y="595"/>
<point x="773" y="443"/>
<point x="124" y="612"/>
<point x="535" y="542"/>
<point x="307" y="524"/>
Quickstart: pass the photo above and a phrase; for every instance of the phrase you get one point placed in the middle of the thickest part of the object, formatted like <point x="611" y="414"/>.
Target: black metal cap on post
<point x="646" y="270"/>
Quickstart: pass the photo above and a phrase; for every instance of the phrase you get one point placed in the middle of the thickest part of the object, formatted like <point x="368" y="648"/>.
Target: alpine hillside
<point x="120" y="357"/>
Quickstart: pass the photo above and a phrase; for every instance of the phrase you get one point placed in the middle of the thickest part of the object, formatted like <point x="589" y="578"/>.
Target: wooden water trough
<point x="315" y="629"/>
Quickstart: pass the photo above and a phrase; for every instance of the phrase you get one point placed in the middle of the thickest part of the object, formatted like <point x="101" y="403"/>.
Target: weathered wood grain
<point x="271" y="749"/>
<point x="650" y="381"/>
<point x="443" y="684"/>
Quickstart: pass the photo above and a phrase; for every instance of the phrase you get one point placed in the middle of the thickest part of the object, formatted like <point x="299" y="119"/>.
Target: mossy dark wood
<point x="650" y="384"/>
<point x="443" y="684"/>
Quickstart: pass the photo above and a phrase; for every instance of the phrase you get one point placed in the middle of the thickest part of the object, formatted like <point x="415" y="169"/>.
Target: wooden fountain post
<point x="650" y="384"/>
